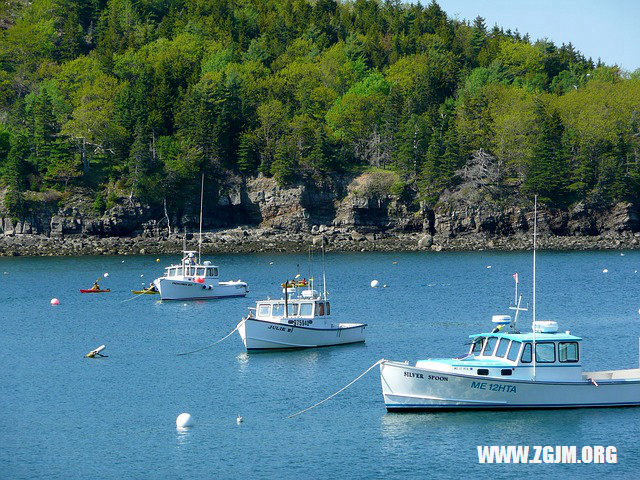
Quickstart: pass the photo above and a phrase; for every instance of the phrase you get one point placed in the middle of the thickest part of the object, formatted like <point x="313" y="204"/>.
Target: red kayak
<point x="94" y="291"/>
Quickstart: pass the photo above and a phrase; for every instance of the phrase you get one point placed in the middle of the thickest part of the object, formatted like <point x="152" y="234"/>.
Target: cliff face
<point x="346" y="209"/>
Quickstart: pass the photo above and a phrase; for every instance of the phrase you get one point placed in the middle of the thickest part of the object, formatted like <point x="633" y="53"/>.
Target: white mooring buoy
<point x="184" y="420"/>
<point x="374" y="283"/>
<point x="605" y="271"/>
<point x="55" y="301"/>
<point x="239" y="419"/>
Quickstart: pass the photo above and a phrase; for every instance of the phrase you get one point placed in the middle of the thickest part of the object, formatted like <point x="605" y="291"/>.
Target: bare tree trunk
<point x="166" y="214"/>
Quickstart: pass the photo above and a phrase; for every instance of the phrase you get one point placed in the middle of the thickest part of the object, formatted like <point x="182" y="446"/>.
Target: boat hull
<point x="89" y="290"/>
<point x="263" y="335"/>
<point x="187" y="290"/>
<point x="408" y="388"/>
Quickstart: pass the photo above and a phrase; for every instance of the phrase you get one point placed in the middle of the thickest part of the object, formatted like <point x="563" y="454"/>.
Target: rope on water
<point x="216" y="342"/>
<point x="341" y="390"/>
<point x="134" y="297"/>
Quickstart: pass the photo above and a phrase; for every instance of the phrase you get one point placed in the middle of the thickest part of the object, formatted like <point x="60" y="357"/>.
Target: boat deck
<point x="630" y="373"/>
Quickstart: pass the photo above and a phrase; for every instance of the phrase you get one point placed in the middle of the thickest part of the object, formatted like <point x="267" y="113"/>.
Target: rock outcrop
<point x="259" y="215"/>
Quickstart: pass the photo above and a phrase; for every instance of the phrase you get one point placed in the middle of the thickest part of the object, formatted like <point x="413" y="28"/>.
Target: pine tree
<point x="548" y="169"/>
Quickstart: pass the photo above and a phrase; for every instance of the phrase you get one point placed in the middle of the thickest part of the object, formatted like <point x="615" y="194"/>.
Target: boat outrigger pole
<point x="201" y="204"/>
<point x="533" y="324"/>
<point x="324" y="276"/>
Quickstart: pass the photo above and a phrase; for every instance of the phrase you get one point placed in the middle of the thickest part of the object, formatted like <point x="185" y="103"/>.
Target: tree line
<point x="136" y="98"/>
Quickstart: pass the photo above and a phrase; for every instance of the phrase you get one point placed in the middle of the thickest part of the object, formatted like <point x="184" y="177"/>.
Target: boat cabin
<point x="296" y="307"/>
<point x="512" y="354"/>
<point x="517" y="348"/>
<point x="190" y="268"/>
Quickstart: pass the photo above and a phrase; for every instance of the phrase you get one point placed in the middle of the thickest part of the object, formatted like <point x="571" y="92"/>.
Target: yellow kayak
<point x="144" y="292"/>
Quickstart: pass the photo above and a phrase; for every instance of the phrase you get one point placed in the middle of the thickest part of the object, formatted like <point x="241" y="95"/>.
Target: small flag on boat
<point x="515" y="277"/>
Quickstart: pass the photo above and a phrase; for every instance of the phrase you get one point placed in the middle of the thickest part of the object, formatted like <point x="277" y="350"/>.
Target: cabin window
<point x="210" y="272"/>
<point x="328" y="312"/>
<point x="503" y="346"/>
<point x="172" y="272"/>
<point x="483" y="371"/>
<point x="568" y="352"/>
<point x="476" y="345"/>
<point x="293" y="309"/>
<point x="215" y="271"/>
<point x="546" y="352"/>
<point x="263" y="310"/>
<point x="278" y="310"/>
<point x="306" y="309"/>
<point x="200" y="271"/>
<point x="526" y="353"/>
<point x="320" y="308"/>
<point x="488" y="346"/>
<point x="191" y="271"/>
<point x="514" y="350"/>
<point x="179" y="271"/>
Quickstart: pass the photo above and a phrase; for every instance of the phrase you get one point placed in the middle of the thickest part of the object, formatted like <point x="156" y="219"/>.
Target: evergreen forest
<point x="136" y="99"/>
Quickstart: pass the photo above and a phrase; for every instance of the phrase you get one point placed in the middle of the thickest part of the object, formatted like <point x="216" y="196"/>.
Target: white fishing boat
<point x="300" y="319"/>
<point x="192" y="280"/>
<point x="509" y="370"/>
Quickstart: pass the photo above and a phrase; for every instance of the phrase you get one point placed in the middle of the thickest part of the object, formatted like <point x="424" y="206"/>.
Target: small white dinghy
<point x="512" y="370"/>
<point x="304" y="321"/>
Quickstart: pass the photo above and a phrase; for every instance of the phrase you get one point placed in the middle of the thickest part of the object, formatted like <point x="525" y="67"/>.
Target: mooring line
<point x="216" y="342"/>
<point x="133" y="298"/>
<point x="341" y="390"/>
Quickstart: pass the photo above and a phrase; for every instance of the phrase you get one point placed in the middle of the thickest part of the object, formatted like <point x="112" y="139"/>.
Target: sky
<point x="606" y="29"/>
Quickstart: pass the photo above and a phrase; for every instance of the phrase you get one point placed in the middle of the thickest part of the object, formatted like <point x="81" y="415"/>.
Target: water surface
<point x="63" y="416"/>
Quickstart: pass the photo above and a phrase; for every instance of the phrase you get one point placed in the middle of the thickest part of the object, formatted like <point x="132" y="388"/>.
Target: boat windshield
<point x="264" y="310"/>
<point x="476" y="346"/>
<point x="278" y="310"/>
<point x="306" y="309"/>
<point x="503" y="345"/>
<point x="513" y="351"/>
<point x="212" y="272"/>
<point x="488" y="346"/>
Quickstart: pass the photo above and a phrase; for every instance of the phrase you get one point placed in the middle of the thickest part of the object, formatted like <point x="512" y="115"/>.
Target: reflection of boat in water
<point x="191" y="280"/>
<point x="510" y="370"/>
<point x="303" y="321"/>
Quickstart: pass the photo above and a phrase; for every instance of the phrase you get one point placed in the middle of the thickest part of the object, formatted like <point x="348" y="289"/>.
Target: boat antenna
<point x="184" y="240"/>
<point x="201" y="205"/>
<point x="324" y="276"/>
<point x="286" y="299"/>
<point x="535" y="235"/>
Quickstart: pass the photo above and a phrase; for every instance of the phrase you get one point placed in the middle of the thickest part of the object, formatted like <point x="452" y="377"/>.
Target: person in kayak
<point x="95" y="286"/>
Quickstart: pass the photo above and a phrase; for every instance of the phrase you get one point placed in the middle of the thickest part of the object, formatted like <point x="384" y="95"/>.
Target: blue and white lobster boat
<point x="509" y="370"/>
<point x="500" y="371"/>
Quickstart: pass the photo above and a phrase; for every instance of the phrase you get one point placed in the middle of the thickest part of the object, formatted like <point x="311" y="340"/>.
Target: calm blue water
<point x="63" y="416"/>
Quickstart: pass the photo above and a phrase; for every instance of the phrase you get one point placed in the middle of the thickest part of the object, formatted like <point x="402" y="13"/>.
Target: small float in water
<point x="510" y="370"/>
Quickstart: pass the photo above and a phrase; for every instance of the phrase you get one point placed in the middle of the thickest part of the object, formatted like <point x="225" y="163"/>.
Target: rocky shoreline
<point x="253" y="240"/>
<point x="350" y="215"/>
